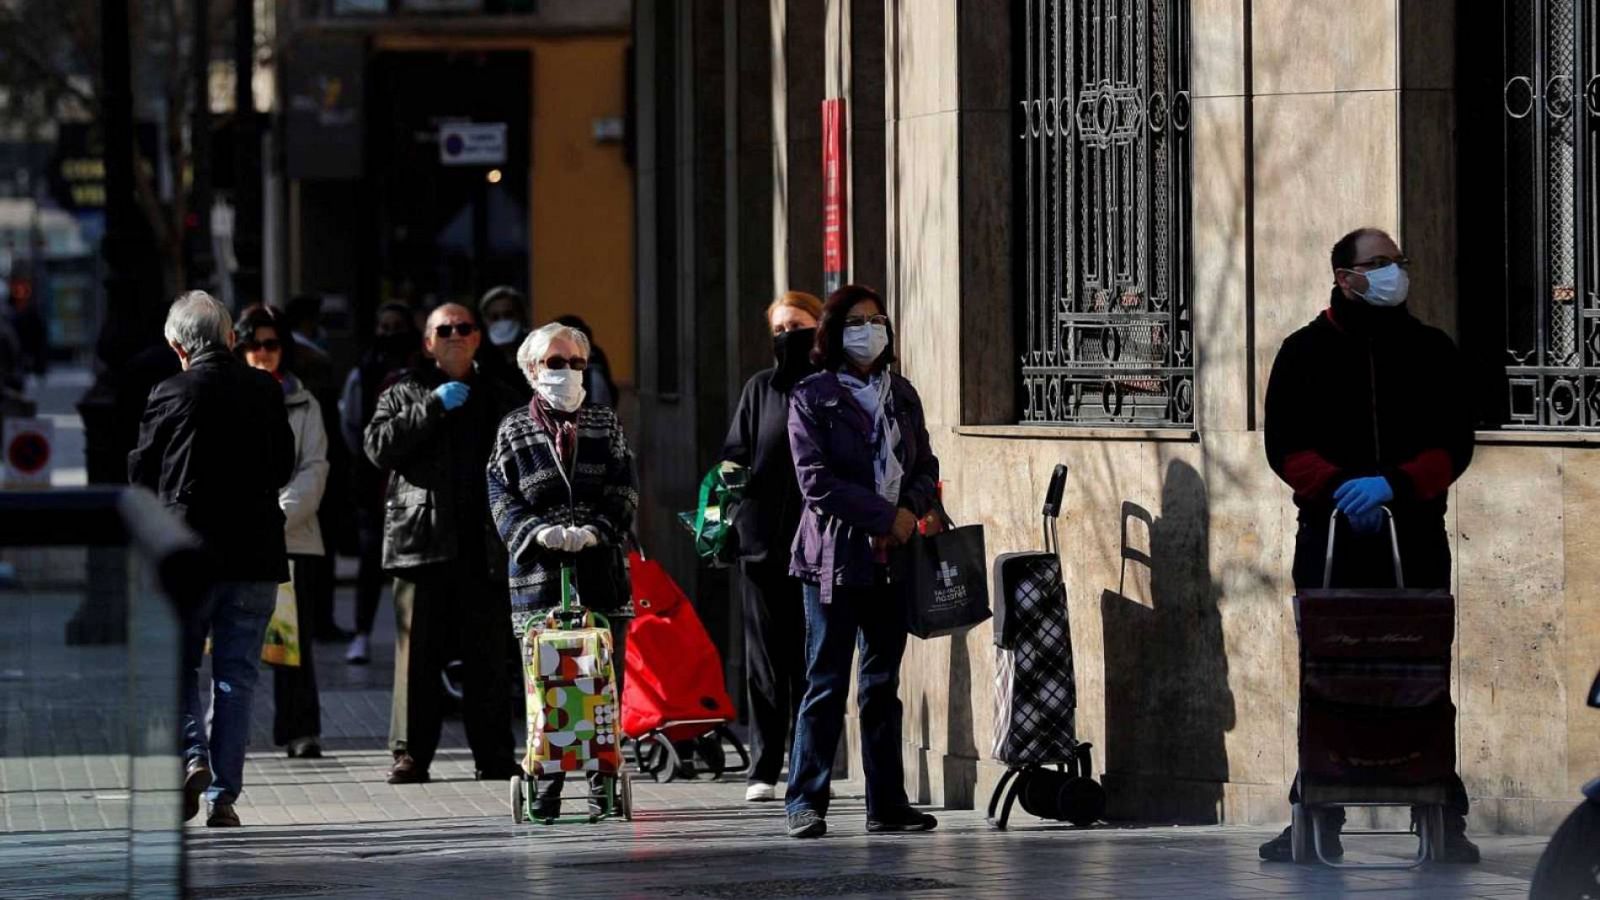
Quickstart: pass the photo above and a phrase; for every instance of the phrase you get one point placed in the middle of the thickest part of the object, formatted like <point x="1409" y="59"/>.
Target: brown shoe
<point x="197" y="777"/>
<point x="222" y="816"/>
<point x="406" y="771"/>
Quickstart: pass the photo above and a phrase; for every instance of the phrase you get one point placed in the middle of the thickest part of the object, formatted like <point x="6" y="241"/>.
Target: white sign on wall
<point x="26" y="449"/>
<point x="472" y="144"/>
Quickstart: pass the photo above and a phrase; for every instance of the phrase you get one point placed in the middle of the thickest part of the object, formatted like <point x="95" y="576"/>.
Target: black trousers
<point x="1367" y="560"/>
<point x="369" y="577"/>
<point x="297" y="710"/>
<point x="458" y="614"/>
<point x="774" y="663"/>
<point x="322" y="605"/>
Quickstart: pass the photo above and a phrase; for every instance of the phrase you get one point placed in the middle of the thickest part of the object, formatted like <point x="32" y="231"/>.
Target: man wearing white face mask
<point x="562" y="493"/>
<point x="1366" y="410"/>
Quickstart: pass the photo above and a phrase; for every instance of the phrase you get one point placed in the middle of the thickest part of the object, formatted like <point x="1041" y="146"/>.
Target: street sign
<point x="27" y="445"/>
<point x="835" y="200"/>
<point x="472" y="144"/>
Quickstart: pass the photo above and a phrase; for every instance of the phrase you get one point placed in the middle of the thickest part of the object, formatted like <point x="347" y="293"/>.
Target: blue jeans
<point x="871" y="619"/>
<point x="235" y="615"/>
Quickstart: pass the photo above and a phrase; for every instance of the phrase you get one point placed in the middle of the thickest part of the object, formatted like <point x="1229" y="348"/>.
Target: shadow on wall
<point x="1168" y="703"/>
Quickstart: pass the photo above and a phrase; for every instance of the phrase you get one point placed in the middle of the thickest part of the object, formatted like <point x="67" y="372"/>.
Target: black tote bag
<point x="942" y="580"/>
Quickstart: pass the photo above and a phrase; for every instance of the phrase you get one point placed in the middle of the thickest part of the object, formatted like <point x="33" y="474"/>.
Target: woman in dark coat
<point x="867" y="474"/>
<point x="562" y="493"/>
<point x="774" y="614"/>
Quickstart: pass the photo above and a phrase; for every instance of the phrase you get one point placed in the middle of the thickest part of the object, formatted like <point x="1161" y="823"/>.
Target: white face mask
<point x="561" y="388"/>
<point x="865" y="343"/>
<point x="1387" y="286"/>
<point x="505" y="331"/>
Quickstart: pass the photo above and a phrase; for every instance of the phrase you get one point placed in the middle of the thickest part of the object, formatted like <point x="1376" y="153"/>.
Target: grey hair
<point x="537" y="344"/>
<point x="197" y="321"/>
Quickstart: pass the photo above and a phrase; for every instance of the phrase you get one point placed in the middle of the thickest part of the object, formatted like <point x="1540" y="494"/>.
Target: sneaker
<point x="1281" y="848"/>
<point x="360" y="652"/>
<point x="904" y="819"/>
<point x="222" y="816"/>
<point x="406" y="771"/>
<point x="197" y="777"/>
<point x="807" y="823"/>
<point x="305" y="748"/>
<point x="760" y="792"/>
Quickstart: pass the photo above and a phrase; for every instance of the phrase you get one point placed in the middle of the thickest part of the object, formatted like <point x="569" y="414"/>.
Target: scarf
<point x="874" y="398"/>
<point x="562" y="427"/>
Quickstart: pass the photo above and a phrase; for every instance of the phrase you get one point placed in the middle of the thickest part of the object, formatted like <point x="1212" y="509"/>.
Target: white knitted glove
<point x="552" y="537"/>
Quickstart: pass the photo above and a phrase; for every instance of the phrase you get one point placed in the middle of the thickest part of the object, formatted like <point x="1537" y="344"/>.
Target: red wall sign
<point x="835" y="205"/>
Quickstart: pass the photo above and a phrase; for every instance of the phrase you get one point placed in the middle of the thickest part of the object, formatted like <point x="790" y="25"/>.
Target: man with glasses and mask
<point x="434" y="429"/>
<point x="1367" y="409"/>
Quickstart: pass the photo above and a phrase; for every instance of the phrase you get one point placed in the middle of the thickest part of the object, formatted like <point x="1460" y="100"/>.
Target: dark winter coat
<point x="530" y="489"/>
<point x="215" y="446"/>
<point x="1364" y="391"/>
<point x="830" y="436"/>
<point x="758" y="439"/>
<point x="437" y="506"/>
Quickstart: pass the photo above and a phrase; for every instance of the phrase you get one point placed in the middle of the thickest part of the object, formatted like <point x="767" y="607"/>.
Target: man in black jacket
<point x="215" y="446"/>
<point x="1367" y="408"/>
<point x="434" y="430"/>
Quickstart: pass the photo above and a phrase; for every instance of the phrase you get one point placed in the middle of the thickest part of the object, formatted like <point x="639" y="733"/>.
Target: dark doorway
<point x="448" y="232"/>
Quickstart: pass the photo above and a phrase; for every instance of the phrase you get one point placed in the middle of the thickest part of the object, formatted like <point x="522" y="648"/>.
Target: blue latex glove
<point x="452" y="394"/>
<point x="1359" y="496"/>
<point x="1368" y="522"/>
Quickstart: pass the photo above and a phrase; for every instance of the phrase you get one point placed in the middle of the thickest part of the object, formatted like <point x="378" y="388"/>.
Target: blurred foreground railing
<point x="90" y="584"/>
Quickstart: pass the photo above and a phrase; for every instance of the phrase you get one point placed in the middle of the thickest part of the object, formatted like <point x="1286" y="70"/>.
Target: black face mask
<point x="792" y="351"/>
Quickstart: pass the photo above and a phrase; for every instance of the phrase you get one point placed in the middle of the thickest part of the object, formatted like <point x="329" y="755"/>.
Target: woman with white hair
<point x="562" y="493"/>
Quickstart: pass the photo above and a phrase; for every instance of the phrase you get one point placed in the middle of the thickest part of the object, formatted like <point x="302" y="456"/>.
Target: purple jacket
<point x="831" y="438"/>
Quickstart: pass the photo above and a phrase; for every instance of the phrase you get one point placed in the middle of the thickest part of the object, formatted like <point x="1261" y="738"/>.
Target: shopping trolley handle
<point x="1394" y="547"/>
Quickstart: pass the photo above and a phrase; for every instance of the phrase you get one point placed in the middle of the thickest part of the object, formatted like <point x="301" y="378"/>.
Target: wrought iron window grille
<point x="1551" y="104"/>
<point x="1104" y="209"/>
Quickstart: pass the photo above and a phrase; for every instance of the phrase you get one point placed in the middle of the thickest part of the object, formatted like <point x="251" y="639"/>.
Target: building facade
<point x="1095" y="222"/>
<point x="374" y="205"/>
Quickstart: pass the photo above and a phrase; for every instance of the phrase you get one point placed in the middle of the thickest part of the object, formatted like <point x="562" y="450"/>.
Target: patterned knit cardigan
<point x="528" y="490"/>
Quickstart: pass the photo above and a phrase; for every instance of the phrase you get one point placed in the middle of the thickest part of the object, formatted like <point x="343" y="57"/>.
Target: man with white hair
<point x="215" y="446"/>
<point x="433" y="429"/>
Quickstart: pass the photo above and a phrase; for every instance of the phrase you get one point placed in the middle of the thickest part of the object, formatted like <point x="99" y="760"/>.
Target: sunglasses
<point x="463" y="329"/>
<point x="856" y="321"/>
<point x="575" y="363"/>
<point x="271" y="345"/>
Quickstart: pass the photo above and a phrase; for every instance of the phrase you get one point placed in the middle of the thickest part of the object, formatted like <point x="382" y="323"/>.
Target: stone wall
<point x="1309" y="119"/>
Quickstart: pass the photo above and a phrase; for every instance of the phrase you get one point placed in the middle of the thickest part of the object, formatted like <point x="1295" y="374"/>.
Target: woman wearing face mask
<point x="867" y="474"/>
<point x="264" y="344"/>
<point x="505" y="319"/>
<point x="562" y="493"/>
<point x="774" y="616"/>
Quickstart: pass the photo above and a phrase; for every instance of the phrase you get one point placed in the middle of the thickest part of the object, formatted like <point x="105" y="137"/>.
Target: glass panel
<point x="90" y="777"/>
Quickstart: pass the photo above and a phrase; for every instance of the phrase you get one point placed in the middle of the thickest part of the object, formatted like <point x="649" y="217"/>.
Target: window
<point x="1103" y="194"/>
<point x="1533" y="131"/>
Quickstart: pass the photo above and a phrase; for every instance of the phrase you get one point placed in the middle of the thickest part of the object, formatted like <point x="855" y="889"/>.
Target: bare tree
<point x="49" y="60"/>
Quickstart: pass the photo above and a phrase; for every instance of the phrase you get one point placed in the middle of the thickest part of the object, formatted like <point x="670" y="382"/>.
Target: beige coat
<point x="300" y="498"/>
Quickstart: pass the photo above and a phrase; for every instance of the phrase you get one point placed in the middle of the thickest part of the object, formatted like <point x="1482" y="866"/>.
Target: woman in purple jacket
<point x="867" y="475"/>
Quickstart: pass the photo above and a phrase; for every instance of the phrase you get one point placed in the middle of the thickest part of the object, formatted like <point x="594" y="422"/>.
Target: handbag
<point x="281" y="644"/>
<point x="711" y="521"/>
<point x="942" y="579"/>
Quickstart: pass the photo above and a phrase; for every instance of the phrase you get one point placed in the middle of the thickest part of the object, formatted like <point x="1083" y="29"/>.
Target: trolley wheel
<point x="1083" y="801"/>
<point x="1300" y="825"/>
<point x="709" y="748"/>
<point x="625" y="795"/>
<point x="519" y="812"/>
<point x="1432" y="831"/>
<point x="652" y="754"/>
<point x="671" y="765"/>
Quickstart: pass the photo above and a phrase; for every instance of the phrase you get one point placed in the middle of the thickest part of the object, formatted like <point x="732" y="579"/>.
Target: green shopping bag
<point x="711" y="522"/>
